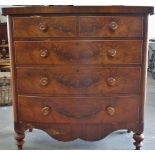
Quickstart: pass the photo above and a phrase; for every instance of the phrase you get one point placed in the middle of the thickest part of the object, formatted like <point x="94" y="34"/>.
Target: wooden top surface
<point x="78" y="9"/>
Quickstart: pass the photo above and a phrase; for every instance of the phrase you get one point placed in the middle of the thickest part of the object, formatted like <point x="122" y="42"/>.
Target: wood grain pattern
<point x="78" y="71"/>
<point x="78" y="52"/>
<point x="28" y="27"/>
<point x="69" y="132"/>
<point x="13" y="69"/>
<point x="78" y="80"/>
<point x="140" y="10"/>
<point x="77" y="110"/>
<point x="103" y="26"/>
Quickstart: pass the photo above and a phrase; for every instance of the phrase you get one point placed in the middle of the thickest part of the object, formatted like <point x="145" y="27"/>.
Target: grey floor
<point x="119" y="140"/>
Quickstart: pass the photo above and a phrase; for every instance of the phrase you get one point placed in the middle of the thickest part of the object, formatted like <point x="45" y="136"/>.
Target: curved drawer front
<point x="29" y="27"/>
<point x="78" y="52"/>
<point x="78" y="80"/>
<point x="78" y="110"/>
<point x="111" y="26"/>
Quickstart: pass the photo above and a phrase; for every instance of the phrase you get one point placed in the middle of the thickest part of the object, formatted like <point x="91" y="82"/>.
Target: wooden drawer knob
<point x="111" y="111"/>
<point x="111" y="52"/>
<point x="44" y="81"/>
<point x="45" y="111"/>
<point x="43" y="53"/>
<point x="111" y="81"/>
<point x="43" y="27"/>
<point x="113" y="26"/>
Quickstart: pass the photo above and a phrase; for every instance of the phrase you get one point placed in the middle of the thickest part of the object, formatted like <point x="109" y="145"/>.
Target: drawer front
<point x="29" y="27"/>
<point x="78" y="52"/>
<point x="78" y="110"/>
<point x="111" y="26"/>
<point x="64" y="80"/>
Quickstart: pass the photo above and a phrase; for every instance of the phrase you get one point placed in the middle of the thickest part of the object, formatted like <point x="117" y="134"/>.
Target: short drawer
<point x="111" y="26"/>
<point x="31" y="27"/>
<point x="78" y="80"/>
<point x="78" y="110"/>
<point x="78" y="52"/>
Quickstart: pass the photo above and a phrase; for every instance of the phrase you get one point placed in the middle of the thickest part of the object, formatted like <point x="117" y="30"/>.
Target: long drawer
<point x="78" y="110"/>
<point x="78" y="80"/>
<point x="78" y="52"/>
<point x="59" y="26"/>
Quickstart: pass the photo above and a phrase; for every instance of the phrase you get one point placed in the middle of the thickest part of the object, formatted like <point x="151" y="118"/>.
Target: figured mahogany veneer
<point x="77" y="110"/>
<point x="78" y="80"/>
<point x="111" y="26"/>
<point x="44" y="27"/>
<point x="78" y="71"/>
<point x="92" y="26"/>
<point x="79" y="52"/>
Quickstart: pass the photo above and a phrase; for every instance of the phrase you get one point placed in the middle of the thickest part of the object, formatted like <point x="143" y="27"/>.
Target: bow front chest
<point x="78" y="71"/>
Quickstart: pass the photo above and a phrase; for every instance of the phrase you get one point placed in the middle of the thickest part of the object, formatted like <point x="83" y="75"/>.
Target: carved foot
<point x="20" y="139"/>
<point x="138" y="137"/>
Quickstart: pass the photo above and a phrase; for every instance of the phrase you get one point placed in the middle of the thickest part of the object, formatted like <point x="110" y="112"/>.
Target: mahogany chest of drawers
<point x="78" y="71"/>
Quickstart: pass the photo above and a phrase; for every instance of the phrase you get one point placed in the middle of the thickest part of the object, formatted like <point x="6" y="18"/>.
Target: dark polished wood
<point x="78" y="52"/>
<point x="81" y="80"/>
<point x="19" y="135"/>
<point x="110" y="26"/>
<point x="79" y="9"/>
<point x="29" y="27"/>
<point x="78" y="72"/>
<point x="77" y="110"/>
